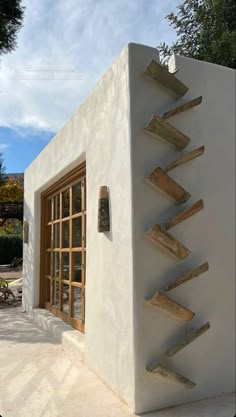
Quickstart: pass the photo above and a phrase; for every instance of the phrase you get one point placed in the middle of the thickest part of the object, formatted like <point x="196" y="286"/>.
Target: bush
<point x="10" y="248"/>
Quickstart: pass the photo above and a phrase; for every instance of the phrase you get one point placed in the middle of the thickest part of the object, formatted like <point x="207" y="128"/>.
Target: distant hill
<point x="16" y="175"/>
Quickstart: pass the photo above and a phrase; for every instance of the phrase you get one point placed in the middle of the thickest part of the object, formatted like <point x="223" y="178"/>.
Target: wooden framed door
<point x="63" y="248"/>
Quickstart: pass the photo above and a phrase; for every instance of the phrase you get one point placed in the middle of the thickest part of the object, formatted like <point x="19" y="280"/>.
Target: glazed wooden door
<point x="63" y="258"/>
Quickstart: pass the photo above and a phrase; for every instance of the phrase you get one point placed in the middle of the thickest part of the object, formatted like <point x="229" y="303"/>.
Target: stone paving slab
<point x="11" y="274"/>
<point x="39" y="379"/>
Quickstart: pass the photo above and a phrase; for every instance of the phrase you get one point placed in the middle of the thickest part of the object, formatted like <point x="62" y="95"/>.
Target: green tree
<point x="11" y="18"/>
<point x="12" y="191"/>
<point x="206" y="30"/>
<point x="11" y="205"/>
<point x="2" y="170"/>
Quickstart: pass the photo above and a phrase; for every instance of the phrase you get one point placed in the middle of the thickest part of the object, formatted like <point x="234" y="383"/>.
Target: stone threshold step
<point x="72" y="340"/>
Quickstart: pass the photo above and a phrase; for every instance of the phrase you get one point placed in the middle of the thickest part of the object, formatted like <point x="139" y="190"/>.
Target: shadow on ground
<point x="39" y="379"/>
<point x="16" y="328"/>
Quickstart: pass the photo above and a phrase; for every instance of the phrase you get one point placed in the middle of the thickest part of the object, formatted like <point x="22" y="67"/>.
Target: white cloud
<point x="4" y="146"/>
<point x="87" y="34"/>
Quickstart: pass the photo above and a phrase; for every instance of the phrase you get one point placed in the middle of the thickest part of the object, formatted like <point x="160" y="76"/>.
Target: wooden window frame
<point x="72" y="178"/>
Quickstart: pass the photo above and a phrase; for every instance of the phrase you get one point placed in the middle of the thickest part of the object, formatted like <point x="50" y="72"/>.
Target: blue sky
<point x="20" y="147"/>
<point x="85" y="35"/>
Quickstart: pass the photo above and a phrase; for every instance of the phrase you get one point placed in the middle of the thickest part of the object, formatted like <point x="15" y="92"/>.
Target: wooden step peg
<point x="159" y="127"/>
<point x="187" y="277"/>
<point x="189" y="338"/>
<point x="171" y="376"/>
<point x="185" y="158"/>
<point x="183" y="107"/>
<point x="159" y="74"/>
<point x="176" y="310"/>
<point x="167" y="242"/>
<point x="184" y="214"/>
<point x="159" y="179"/>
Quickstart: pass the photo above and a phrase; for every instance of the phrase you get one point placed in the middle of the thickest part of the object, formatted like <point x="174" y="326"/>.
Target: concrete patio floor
<point x="39" y="379"/>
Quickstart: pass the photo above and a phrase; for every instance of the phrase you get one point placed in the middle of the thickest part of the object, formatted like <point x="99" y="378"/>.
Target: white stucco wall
<point x="100" y="132"/>
<point x="122" y="334"/>
<point x="210" y="360"/>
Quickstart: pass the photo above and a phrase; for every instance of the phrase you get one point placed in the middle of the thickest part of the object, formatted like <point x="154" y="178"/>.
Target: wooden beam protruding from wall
<point x="167" y="242"/>
<point x="158" y="73"/>
<point x="187" y="277"/>
<point x="185" y="158"/>
<point x="159" y="179"/>
<point x="159" y="127"/>
<point x="189" y="338"/>
<point x="171" y="376"/>
<point x="183" y="107"/>
<point x="171" y="307"/>
<point x="184" y="214"/>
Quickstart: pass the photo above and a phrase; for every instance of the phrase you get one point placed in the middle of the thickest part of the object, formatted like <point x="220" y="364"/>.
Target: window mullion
<point x="83" y="246"/>
<point x="70" y="257"/>
<point x="52" y="245"/>
<point x="60" y="256"/>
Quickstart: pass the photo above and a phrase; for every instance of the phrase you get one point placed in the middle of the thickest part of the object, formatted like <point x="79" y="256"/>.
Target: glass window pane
<point x="65" y="265"/>
<point x="77" y="300"/>
<point x="57" y="207"/>
<point x="49" y="237"/>
<point x="77" y="232"/>
<point x="65" y="234"/>
<point x="56" y="294"/>
<point x="64" y="257"/>
<point x="47" y="290"/>
<point x="48" y="263"/>
<point x="56" y="264"/>
<point x="85" y="192"/>
<point x="76" y="198"/>
<point x="56" y="237"/>
<point x="49" y="210"/>
<point x="65" y="298"/>
<point x="66" y="203"/>
<point x="77" y="267"/>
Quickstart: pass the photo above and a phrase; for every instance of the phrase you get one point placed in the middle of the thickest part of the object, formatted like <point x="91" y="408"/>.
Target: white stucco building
<point x="140" y="342"/>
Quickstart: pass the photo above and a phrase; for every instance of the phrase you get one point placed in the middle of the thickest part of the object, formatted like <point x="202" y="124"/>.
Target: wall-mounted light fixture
<point x="26" y="231"/>
<point x="103" y="210"/>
